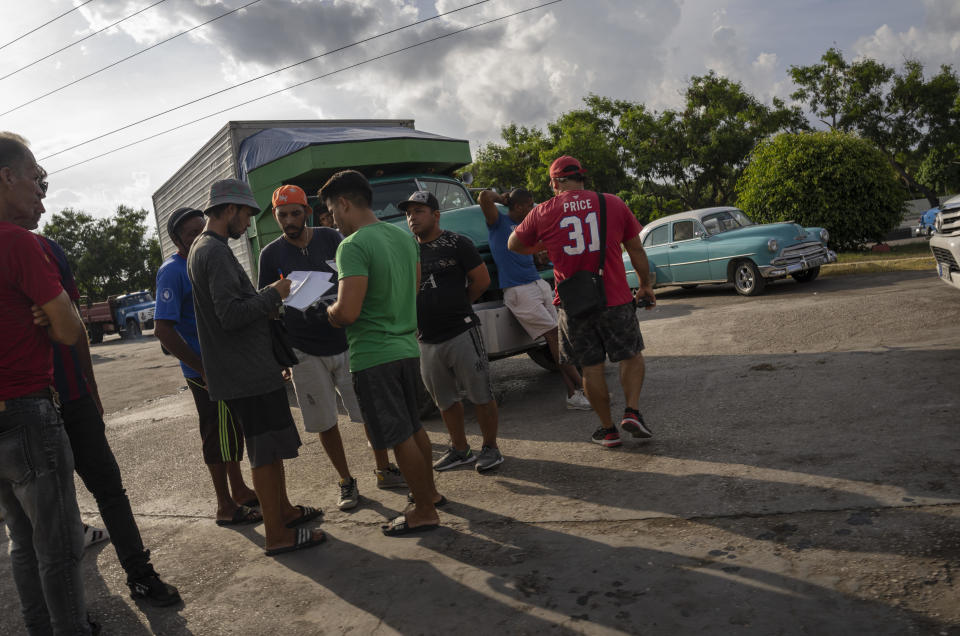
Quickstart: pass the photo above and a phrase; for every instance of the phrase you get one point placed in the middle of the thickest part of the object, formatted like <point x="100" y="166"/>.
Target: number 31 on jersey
<point x="578" y="243"/>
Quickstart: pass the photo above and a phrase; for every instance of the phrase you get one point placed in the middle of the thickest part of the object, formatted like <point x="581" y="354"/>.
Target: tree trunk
<point x="901" y="171"/>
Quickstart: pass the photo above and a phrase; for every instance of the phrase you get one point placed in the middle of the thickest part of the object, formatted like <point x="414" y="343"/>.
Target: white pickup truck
<point x="945" y="243"/>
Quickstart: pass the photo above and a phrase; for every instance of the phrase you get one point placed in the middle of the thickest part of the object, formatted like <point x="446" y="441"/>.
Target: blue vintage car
<point x="722" y="245"/>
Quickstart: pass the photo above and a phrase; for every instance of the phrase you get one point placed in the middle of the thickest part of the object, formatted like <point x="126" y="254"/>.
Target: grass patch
<point x="907" y="250"/>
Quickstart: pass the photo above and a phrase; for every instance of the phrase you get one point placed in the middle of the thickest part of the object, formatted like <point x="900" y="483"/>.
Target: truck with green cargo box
<point x="398" y="160"/>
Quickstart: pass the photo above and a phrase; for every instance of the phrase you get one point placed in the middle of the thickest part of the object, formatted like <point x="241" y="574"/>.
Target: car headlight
<point x="772" y="245"/>
<point x="938" y="223"/>
<point x="824" y="236"/>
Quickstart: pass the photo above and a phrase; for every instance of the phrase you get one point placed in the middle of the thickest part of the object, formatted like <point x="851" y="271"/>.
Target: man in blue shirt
<point x="527" y="296"/>
<point x="176" y="328"/>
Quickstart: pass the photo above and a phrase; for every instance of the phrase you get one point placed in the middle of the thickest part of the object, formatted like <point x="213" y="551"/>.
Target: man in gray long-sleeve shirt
<point x="238" y="360"/>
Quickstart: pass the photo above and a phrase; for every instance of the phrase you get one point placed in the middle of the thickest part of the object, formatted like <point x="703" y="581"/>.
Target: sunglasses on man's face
<point x="42" y="180"/>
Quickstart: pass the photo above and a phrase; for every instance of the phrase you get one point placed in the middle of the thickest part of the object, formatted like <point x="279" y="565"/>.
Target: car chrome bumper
<point x="776" y="271"/>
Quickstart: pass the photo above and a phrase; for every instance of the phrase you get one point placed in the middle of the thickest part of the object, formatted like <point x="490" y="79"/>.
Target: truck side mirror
<point x="467" y="177"/>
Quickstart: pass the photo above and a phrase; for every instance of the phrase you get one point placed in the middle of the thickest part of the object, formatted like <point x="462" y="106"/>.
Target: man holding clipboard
<point x="323" y="371"/>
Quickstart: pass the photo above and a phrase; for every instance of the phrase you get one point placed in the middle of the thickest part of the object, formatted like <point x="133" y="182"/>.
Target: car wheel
<point x="544" y="358"/>
<point x="747" y="279"/>
<point x="689" y="286"/>
<point x="133" y="330"/>
<point x="96" y="333"/>
<point x="807" y="275"/>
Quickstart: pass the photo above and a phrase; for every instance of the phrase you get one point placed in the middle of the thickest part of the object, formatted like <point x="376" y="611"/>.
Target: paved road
<point x="804" y="480"/>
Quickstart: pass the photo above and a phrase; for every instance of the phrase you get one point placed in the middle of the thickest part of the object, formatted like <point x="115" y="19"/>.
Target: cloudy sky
<point x="526" y="69"/>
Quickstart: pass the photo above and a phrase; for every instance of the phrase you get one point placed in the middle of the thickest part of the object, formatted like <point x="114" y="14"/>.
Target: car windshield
<point x="724" y="221"/>
<point x="136" y="299"/>
<point x="386" y="196"/>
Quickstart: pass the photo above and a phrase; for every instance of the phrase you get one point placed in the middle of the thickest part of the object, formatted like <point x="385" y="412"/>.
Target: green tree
<point x="912" y="119"/>
<point x="829" y="179"/>
<point x="513" y="164"/>
<point x="108" y="256"/>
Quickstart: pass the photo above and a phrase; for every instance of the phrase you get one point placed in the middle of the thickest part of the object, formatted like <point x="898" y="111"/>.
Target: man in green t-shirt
<point x="379" y="271"/>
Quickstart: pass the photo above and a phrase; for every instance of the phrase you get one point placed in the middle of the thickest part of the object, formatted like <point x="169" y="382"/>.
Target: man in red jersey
<point x="568" y="226"/>
<point x="37" y="496"/>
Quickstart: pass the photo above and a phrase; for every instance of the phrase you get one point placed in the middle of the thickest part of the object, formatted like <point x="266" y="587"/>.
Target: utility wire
<point x="259" y="77"/>
<point x="298" y="84"/>
<point x="109" y="66"/>
<point x="84" y="38"/>
<point x="51" y="21"/>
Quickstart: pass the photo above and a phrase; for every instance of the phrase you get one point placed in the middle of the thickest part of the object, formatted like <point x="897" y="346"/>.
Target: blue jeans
<point x="38" y="500"/>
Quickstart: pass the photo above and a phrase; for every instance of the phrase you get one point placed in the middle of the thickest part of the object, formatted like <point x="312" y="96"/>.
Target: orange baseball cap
<point x="289" y="194"/>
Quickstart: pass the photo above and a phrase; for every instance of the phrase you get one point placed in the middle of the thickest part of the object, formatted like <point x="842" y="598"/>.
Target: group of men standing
<point x="402" y="313"/>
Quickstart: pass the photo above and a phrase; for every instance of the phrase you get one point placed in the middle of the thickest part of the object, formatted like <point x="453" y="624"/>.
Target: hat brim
<point x="403" y="205"/>
<point x="232" y="198"/>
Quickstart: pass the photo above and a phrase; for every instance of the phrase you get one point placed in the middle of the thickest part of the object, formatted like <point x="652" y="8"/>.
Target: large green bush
<point x="828" y="179"/>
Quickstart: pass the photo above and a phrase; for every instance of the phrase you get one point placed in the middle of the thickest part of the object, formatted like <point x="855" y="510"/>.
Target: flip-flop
<point x="242" y="515"/>
<point x="436" y="504"/>
<point x="398" y="527"/>
<point x="309" y="514"/>
<point x="253" y="503"/>
<point x="302" y="539"/>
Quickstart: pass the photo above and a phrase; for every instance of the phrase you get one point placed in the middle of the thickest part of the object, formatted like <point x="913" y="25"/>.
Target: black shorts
<point x="267" y="426"/>
<point x="387" y="394"/>
<point x="614" y="333"/>
<point x="220" y="433"/>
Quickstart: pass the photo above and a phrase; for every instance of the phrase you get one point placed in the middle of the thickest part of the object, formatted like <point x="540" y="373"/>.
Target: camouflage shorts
<point x="614" y="334"/>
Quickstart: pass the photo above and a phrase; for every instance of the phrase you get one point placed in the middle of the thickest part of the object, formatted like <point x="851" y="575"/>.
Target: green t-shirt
<point x="386" y="329"/>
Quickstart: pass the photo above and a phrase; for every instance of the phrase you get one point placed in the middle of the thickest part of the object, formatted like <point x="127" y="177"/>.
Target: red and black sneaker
<point x="633" y="423"/>
<point x="608" y="437"/>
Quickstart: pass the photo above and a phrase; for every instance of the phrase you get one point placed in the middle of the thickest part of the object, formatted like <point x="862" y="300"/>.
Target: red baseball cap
<point x="566" y="166"/>
<point x="289" y="194"/>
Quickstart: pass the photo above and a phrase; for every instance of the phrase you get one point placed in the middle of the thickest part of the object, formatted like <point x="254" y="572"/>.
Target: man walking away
<point x="568" y="226"/>
<point x="323" y="371"/>
<point x="239" y="364"/>
<point x="527" y="296"/>
<point x="376" y="302"/>
<point x="176" y="329"/>
<point x="452" y="355"/>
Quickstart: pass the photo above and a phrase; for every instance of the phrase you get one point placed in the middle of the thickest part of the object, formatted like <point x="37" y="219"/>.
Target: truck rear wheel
<point x="133" y="330"/>
<point x="544" y="358"/>
<point x="95" y="331"/>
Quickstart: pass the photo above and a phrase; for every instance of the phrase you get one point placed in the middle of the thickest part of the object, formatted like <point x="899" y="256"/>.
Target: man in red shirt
<point x="37" y="496"/>
<point x="568" y="227"/>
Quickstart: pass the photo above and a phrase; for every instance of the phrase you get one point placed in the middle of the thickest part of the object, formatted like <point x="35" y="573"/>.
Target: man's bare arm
<point x="488" y="200"/>
<point x="638" y="257"/>
<point x="479" y="279"/>
<point x="350" y="295"/>
<point x="65" y="324"/>
<point x="176" y="345"/>
<point x="514" y="244"/>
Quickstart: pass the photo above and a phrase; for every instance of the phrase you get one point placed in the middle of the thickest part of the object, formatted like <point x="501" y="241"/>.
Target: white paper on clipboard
<point x="307" y="288"/>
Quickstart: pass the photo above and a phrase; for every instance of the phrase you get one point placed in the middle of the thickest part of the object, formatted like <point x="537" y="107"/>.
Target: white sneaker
<point x="578" y="401"/>
<point x="93" y="535"/>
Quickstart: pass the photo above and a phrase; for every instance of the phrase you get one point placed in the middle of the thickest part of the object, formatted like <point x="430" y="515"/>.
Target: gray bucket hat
<point x="231" y="191"/>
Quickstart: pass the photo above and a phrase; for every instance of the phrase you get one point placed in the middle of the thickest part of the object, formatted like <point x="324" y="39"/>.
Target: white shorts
<point x="317" y="381"/>
<point x="532" y="306"/>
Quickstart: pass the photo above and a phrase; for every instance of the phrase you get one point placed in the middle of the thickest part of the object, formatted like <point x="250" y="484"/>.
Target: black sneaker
<point x="633" y="423"/>
<point x="607" y="437"/>
<point x="150" y="588"/>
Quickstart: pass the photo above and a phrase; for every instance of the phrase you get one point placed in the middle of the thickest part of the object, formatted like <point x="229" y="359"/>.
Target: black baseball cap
<point x="420" y="196"/>
<point x="180" y="215"/>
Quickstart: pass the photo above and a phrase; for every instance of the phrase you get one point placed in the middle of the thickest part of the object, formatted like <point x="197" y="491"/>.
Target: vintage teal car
<point x="722" y="245"/>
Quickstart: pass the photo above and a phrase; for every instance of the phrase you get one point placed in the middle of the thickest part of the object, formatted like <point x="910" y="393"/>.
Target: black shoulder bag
<point x="582" y="294"/>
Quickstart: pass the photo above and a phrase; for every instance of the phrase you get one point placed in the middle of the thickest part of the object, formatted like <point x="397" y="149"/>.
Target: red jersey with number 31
<point x="569" y="226"/>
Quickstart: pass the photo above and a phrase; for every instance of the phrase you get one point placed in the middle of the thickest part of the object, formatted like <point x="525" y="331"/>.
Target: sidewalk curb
<point x="887" y="265"/>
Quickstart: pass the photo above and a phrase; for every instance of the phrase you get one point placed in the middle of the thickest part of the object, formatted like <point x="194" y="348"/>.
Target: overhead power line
<point x="51" y="21"/>
<point x="83" y="39"/>
<point x="109" y="66"/>
<point x="260" y="77"/>
<point x="313" y="79"/>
